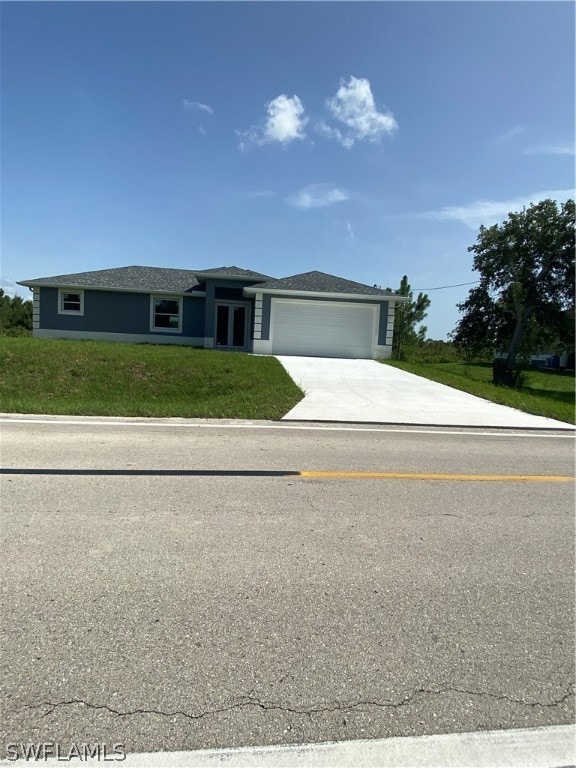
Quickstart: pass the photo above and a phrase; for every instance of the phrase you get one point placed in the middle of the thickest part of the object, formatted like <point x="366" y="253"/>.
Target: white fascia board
<point x="250" y="291"/>
<point x="158" y="291"/>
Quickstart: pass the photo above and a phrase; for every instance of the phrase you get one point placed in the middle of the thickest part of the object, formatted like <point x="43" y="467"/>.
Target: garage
<point x="323" y="328"/>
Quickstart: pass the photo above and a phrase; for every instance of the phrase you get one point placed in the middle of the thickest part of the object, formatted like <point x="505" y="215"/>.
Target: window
<point x="70" y="302"/>
<point x="166" y="314"/>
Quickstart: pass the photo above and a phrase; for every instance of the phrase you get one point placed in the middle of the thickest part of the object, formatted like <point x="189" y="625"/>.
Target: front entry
<point x="231" y="325"/>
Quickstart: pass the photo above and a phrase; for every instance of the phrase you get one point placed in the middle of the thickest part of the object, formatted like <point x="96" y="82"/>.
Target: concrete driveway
<point x="367" y="391"/>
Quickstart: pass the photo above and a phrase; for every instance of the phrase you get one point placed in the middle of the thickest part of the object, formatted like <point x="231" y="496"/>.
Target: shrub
<point x="431" y="351"/>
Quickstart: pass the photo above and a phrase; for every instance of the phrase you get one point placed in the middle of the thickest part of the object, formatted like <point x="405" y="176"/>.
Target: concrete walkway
<point x="367" y="391"/>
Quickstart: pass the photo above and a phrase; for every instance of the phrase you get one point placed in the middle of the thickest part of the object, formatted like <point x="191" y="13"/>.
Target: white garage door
<point x="322" y="328"/>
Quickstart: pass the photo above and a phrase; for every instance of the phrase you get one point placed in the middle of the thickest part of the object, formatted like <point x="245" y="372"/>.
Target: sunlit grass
<point x="55" y="376"/>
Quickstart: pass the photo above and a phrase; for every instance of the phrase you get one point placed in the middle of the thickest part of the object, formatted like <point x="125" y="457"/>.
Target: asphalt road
<point x="178" y="587"/>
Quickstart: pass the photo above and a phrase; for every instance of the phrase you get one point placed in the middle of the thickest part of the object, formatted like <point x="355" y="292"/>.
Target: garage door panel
<point x="323" y="329"/>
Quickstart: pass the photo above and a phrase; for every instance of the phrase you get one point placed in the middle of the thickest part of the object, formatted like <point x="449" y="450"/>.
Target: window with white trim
<point x="166" y="314"/>
<point x="70" y="302"/>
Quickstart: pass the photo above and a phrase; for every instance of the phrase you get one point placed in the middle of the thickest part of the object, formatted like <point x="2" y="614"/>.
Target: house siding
<point x="222" y="290"/>
<point x="228" y="294"/>
<point x="35" y="308"/>
<point x="116" y="312"/>
<point x="383" y="323"/>
<point x="124" y="315"/>
<point x="266" y="310"/>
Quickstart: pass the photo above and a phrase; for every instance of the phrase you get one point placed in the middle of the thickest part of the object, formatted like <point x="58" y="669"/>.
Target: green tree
<point x="15" y="314"/>
<point x="406" y="317"/>
<point x="525" y="295"/>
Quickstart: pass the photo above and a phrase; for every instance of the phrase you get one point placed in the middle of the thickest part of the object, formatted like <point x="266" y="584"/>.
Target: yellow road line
<point x="435" y="476"/>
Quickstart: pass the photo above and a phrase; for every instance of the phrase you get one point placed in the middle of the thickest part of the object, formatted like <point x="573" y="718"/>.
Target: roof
<point x="232" y="272"/>
<point x="164" y="280"/>
<point x="320" y="282"/>
<point x="148" y="279"/>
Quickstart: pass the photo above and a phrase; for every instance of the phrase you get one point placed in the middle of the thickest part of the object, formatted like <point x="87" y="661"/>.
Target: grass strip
<point x="97" y="378"/>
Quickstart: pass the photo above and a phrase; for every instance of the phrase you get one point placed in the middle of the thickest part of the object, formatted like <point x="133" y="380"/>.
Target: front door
<point x="231" y="325"/>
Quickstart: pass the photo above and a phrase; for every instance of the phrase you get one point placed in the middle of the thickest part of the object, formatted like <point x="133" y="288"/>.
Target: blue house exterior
<point x="224" y="308"/>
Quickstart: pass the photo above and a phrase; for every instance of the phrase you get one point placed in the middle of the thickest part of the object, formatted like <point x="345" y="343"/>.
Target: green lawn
<point x="112" y="379"/>
<point x="546" y="393"/>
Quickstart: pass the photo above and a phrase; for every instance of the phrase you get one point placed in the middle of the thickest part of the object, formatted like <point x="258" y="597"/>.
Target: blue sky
<point x="367" y="140"/>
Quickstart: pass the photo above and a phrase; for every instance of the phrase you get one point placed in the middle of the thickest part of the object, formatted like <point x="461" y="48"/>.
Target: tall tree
<point x="526" y="287"/>
<point x="15" y="313"/>
<point x="406" y="317"/>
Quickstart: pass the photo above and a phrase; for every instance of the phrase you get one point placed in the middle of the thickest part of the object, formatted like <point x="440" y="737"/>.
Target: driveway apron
<point x="367" y="391"/>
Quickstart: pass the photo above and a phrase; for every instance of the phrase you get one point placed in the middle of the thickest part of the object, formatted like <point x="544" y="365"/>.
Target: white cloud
<point x="317" y="196"/>
<point x="489" y="212"/>
<point x="353" y="106"/>
<point x="285" y="122"/>
<point x="352" y="109"/>
<point x="350" y="230"/>
<point x="10" y="288"/>
<point x="196" y="106"/>
<point x="323" y="129"/>
<point x="551" y="149"/>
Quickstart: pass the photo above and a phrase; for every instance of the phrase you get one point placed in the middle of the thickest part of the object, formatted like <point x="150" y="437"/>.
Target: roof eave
<point x="252" y="290"/>
<point x="81" y="287"/>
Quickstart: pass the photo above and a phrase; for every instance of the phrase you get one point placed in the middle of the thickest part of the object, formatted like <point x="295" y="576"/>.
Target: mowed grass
<point x="546" y="393"/>
<point x="115" y="379"/>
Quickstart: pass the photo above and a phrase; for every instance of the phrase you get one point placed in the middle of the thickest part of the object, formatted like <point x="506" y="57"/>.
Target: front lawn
<point x="546" y="393"/>
<point x="100" y="378"/>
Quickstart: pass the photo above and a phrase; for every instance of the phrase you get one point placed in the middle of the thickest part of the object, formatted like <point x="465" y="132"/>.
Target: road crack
<point x="250" y="700"/>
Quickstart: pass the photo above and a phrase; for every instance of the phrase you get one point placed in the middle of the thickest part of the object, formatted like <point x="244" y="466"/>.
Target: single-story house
<point x="226" y="308"/>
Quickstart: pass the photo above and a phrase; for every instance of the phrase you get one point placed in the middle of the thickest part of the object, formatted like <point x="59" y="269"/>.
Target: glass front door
<point x="231" y="325"/>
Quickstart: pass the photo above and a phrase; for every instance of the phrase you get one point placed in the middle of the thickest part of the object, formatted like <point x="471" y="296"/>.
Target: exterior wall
<point x="223" y="293"/>
<point x="118" y="313"/>
<point x="262" y="343"/>
<point x="124" y="316"/>
<point x="35" y="309"/>
<point x="131" y="338"/>
<point x="384" y="351"/>
<point x="223" y="290"/>
<point x="266" y="310"/>
<point x="257" y="323"/>
<point x="264" y="347"/>
<point x="389" y="328"/>
<point x="385" y="323"/>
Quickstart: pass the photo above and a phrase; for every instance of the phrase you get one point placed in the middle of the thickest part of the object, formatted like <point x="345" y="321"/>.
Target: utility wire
<point x="441" y="287"/>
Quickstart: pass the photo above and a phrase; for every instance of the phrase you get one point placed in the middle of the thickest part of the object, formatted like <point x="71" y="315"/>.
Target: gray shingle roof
<point x="233" y="272"/>
<point x="320" y="282"/>
<point x="153" y="279"/>
<point x="164" y="280"/>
